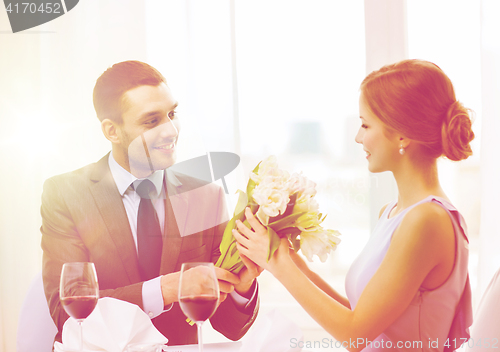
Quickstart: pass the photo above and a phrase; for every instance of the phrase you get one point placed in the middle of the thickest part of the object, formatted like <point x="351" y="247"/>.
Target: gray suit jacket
<point x="83" y="219"/>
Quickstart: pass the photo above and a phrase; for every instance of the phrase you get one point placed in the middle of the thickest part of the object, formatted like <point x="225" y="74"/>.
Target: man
<point x="99" y="213"/>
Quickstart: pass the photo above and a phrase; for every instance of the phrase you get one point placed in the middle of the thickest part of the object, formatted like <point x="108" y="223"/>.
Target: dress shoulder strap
<point x="455" y="214"/>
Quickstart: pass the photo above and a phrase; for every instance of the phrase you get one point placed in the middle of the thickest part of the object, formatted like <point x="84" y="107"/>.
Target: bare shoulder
<point x="428" y="222"/>
<point x="428" y="213"/>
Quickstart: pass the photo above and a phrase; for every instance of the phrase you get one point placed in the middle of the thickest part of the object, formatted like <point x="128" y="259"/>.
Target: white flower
<point x="305" y="204"/>
<point x="269" y="172"/>
<point x="271" y="192"/>
<point x="272" y="200"/>
<point x="306" y="190"/>
<point x="302" y="185"/>
<point x="318" y="241"/>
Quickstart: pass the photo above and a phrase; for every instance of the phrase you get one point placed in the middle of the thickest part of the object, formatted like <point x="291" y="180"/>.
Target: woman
<point x="409" y="288"/>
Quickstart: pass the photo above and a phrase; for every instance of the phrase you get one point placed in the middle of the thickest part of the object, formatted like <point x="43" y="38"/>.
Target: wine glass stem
<point x="81" y="336"/>
<point x="200" y="339"/>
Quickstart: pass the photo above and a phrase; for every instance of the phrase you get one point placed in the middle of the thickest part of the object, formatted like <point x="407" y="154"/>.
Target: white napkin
<point x="111" y="327"/>
<point x="273" y="333"/>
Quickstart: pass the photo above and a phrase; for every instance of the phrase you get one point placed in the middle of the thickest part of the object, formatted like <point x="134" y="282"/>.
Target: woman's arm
<point x="318" y="280"/>
<point x="416" y="250"/>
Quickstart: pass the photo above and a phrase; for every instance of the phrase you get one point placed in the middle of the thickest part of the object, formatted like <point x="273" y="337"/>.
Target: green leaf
<point x="242" y="202"/>
<point x="285" y="222"/>
<point x="251" y="183"/>
<point x="289" y="231"/>
<point x="256" y="168"/>
<point x="274" y="242"/>
<point x="227" y="239"/>
<point x="231" y="257"/>
<point x="229" y="253"/>
<point x="233" y="251"/>
<point x="253" y="207"/>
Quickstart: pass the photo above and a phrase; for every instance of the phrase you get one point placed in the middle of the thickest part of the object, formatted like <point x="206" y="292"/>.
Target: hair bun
<point x="457" y="132"/>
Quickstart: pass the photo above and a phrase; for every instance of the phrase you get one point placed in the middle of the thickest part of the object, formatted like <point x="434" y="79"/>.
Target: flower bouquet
<point x="285" y="204"/>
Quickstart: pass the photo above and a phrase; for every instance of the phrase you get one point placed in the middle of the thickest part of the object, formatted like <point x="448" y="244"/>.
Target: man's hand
<point x="170" y="288"/>
<point x="170" y="284"/>
<point x="227" y="282"/>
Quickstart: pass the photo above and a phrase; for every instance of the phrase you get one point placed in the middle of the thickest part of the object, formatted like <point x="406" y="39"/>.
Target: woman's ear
<point x="110" y="130"/>
<point x="404" y="142"/>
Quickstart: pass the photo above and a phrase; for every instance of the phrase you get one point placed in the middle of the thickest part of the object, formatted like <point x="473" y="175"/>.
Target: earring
<point x="402" y="150"/>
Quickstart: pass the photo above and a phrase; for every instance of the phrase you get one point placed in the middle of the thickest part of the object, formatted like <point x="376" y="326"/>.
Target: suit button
<point x="150" y="314"/>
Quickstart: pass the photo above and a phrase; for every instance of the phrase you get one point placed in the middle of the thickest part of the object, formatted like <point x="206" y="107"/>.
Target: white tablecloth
<point x="208" y="347"/>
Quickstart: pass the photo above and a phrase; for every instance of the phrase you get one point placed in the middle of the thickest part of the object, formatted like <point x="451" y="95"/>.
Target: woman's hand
<point x="254" y="243"/>
<point x="247" y="276"/>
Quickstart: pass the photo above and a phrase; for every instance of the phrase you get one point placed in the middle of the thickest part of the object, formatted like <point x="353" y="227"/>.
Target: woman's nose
<point x="358" y="138"/>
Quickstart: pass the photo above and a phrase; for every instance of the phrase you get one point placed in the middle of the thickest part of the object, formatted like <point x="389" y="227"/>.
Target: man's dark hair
<point x="118" y="79"/>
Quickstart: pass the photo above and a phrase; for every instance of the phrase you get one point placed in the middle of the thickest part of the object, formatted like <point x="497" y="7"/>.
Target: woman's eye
<point x="151" y="122"/>
<point x="364" y="126"/>
<point x="172" y="114"/>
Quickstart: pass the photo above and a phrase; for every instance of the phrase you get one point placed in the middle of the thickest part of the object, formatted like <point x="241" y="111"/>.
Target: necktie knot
<point x="145" y="188"/>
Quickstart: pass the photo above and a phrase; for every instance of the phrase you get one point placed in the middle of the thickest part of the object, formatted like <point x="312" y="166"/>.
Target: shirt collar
<point x="123" y="178"/>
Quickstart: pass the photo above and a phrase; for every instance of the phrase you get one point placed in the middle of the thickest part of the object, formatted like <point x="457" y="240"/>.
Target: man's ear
<point x="110" y="130"/>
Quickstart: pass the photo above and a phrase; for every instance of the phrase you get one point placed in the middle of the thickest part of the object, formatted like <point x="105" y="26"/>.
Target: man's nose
<point x="168" y="129"/>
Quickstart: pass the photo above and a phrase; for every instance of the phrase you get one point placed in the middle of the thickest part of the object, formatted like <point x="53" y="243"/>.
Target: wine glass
<point x="198" y="293"/>
<point x="78" y="292"/>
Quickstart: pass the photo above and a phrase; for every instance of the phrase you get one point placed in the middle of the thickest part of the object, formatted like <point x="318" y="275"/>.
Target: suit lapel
<point x="175" y="220"/>
<point x="110" y="205"/>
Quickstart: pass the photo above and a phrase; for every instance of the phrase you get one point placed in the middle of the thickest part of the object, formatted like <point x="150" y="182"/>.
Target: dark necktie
<point x="149" y="237"/>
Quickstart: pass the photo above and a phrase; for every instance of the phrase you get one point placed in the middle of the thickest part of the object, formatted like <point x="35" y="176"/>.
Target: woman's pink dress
<point x="435" y="320"/>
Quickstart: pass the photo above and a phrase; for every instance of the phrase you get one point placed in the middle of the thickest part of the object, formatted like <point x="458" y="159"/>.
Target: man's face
<point x="149" y="131"/>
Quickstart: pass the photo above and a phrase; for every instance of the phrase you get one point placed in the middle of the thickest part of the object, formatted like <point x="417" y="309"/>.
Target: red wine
<point x="198" y="308"/>
<point x="79" y="307"/>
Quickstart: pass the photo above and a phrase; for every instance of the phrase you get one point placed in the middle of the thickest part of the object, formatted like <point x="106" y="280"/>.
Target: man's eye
<point x="172" y="114"/>
<point x="364" y="126"/>
<point x="151" y="122"/>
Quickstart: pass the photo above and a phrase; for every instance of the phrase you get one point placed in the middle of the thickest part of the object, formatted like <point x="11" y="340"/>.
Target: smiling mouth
<point x="166" y="146"/>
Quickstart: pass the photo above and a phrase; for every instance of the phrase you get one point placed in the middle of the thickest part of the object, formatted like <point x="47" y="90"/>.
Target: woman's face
<point x="380" y="143"/>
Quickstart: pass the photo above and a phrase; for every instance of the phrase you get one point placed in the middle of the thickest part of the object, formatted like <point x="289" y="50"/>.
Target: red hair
<point x="417" y="99"/>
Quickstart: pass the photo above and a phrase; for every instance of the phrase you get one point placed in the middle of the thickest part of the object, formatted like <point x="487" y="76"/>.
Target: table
<point x="208" y="347"/>
<point x="211" y="347"/>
